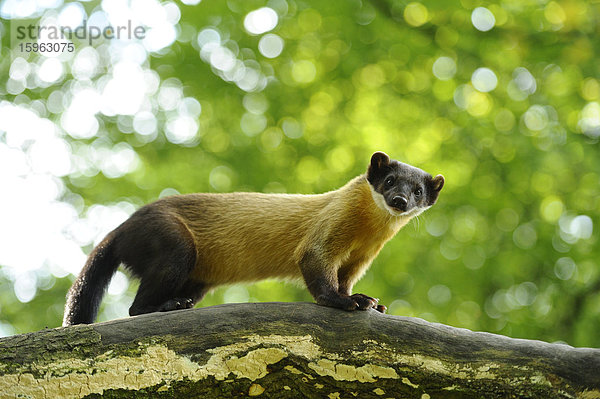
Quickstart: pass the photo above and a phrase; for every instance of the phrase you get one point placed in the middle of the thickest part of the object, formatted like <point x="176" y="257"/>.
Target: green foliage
<point x="511" y="246"/>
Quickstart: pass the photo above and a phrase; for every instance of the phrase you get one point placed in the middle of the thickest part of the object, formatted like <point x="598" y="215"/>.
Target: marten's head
<point x="401" y="189"/>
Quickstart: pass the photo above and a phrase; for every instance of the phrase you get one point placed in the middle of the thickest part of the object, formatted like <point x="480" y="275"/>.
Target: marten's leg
<point x="160" y="250"/>
<point x="152" y="296"/>
<point x="166" y="285"/>
<point x="348" y="275"/>
<point x="322" y="282"/>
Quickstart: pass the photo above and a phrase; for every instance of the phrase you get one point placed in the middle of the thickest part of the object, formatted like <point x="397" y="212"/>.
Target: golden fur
<point x="272" y="231"/>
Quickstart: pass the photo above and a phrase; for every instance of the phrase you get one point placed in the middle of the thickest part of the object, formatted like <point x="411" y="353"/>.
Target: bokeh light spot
<point x="551" y="208"/>
<point x="536" y="118"/>
<point x="260" y="21"/>
<point x="415" y="14"/>
<point x="270" y="45"/>
<point x="304" y="71"/>
<point x="483" y="19"/>
<point x="525" y="236"/>
<point x="439" y="295"/>
<point x="221" y="178"/>
<point x="565" y="268"/>
<point x="484" y="80"/>
<point x="308" y="169"/>
<point x="444" y="68"/>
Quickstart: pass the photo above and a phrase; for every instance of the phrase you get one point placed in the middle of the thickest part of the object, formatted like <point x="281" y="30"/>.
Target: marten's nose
<point x="400" y="202"/>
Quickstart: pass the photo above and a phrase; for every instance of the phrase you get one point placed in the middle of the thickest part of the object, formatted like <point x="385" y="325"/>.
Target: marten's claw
<point x="365" y="302"/>
<point x="176" y="304"/>
<point x="381" y="308"/>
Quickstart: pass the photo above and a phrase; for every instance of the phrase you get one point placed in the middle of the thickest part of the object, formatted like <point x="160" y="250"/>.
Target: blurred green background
<point x="502" y="98"/>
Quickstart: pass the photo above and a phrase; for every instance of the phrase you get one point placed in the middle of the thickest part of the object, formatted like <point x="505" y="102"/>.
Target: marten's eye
<point x="389" y="181"/>
<point x="418" y="192"/>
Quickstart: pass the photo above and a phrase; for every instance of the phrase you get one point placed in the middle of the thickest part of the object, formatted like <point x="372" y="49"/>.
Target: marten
<point x="182" y="246"/>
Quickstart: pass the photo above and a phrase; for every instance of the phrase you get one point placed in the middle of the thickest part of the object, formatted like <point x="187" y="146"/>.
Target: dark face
<point x="406" y="190"/>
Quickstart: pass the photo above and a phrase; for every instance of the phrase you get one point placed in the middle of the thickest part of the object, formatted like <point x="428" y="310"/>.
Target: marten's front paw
<point x="337" y="301"/>
<point x="365" y="302"/>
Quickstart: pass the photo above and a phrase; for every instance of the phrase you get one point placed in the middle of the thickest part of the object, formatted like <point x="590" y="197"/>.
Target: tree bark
<point x="288" y="350"/>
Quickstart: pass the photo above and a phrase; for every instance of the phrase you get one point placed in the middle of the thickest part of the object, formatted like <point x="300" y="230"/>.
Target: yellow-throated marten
<point x="184" y="245"/>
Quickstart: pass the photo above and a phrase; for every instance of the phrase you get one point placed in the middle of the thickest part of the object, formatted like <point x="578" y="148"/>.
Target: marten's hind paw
<point x="176" y="304"/>
<point x="365" y="302"/>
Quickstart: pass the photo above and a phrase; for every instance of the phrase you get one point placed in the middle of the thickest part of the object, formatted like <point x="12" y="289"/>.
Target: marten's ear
<point x="434" y="187"/>
<point x="378" y="168"/>
<point x="438" y="182"/>
<point x="379" y="160"/>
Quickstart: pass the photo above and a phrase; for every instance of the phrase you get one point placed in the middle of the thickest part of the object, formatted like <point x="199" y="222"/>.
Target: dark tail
<point x="83" y="299"/>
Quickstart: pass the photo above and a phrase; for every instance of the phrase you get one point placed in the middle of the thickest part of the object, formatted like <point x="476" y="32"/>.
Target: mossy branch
<point x="288" y="350"/>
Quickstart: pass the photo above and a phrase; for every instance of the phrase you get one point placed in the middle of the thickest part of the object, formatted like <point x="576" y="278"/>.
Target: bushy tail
<point x="83" y="299"/>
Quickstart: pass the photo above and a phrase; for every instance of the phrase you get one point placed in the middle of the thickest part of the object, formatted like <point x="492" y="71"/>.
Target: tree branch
<point x="288" y="350"/>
